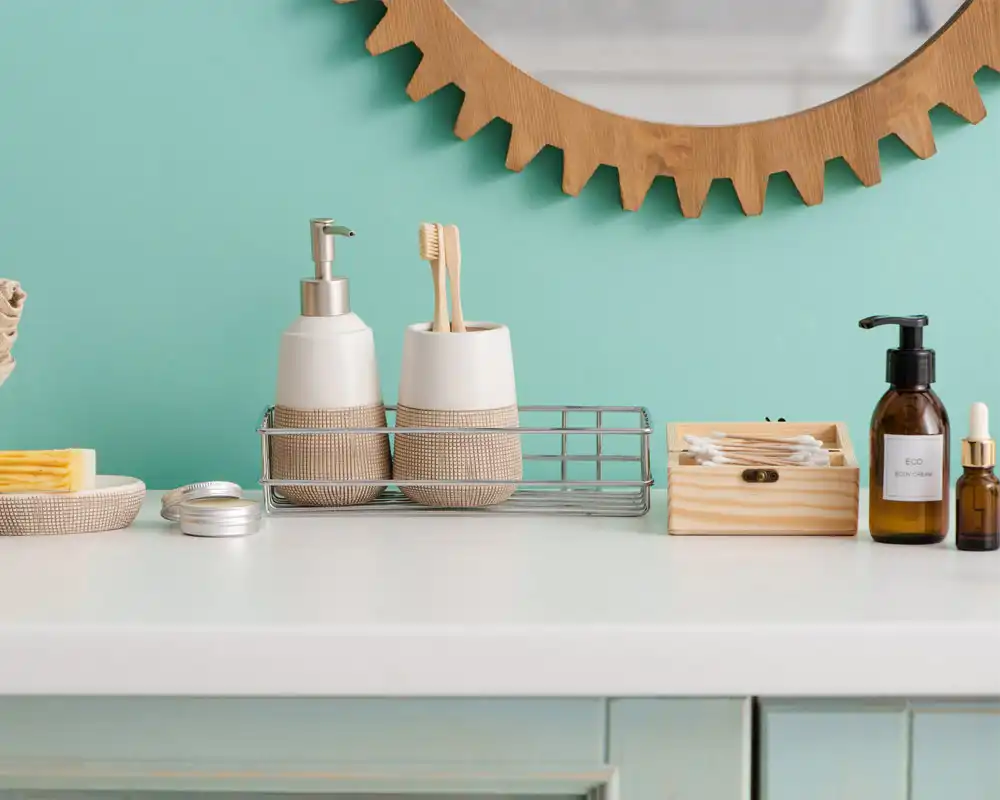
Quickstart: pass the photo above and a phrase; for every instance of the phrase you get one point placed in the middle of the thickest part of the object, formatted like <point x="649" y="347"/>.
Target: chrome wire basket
<point x="583" y="460"/>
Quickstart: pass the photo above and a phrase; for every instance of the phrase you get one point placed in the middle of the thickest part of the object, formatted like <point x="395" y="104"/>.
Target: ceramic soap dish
<point x="112" y="505"/>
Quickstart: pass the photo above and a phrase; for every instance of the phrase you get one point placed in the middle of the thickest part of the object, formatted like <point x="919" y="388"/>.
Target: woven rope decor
<point x="458" y="456"/>
<point x="331" y="457"/>
<point x="105" y="509"/>
<point x="11" y="304"/>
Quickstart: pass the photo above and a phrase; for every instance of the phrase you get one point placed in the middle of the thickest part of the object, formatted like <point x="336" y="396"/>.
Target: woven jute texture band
<point x="83" y="512"/>
<point x="457" y="456"/>
<point x="331" y="457"/>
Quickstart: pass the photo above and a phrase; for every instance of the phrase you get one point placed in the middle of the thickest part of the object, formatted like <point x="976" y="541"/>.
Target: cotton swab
<point x="760" y="462"/>
<point x="696" y="442"/>
<point x="734" y="449"/>
<point x="794" y="461"/>
<point x="803" y="439"/>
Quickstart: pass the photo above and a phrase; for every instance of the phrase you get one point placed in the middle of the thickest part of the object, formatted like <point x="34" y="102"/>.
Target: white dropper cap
<point x="979" y="423"/>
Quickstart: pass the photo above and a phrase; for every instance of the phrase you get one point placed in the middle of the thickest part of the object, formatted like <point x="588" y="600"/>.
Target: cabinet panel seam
<point x="607" y="730"/>
<point x="908" y="765"/>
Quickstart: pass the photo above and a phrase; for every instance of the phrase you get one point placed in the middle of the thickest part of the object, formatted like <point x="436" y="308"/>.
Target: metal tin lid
<point x="220" y="516"/>
<point x="170" y="505"/>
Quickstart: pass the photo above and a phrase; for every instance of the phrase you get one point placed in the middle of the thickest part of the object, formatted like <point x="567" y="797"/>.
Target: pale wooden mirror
<point x="699" y="90"/>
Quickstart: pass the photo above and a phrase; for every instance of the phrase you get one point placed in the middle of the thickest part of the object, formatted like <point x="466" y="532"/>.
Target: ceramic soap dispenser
<point x="328" y="378"/>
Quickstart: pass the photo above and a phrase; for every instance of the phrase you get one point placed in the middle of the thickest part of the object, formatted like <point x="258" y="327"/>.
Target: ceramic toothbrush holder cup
<point x="457" y="380"/>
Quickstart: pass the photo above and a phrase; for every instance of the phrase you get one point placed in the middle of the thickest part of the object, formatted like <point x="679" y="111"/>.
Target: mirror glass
<point x="705" y="62"/>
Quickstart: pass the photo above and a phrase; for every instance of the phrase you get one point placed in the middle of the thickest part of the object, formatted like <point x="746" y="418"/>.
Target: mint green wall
<point x="159" y="161"/>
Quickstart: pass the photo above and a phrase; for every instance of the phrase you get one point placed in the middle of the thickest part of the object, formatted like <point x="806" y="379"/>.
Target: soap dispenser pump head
<point x="326" y="295"/>
<point x="911" y="365"/>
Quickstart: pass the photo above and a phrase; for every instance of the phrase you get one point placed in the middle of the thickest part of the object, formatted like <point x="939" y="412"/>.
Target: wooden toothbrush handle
<point x="440" y="323"/>
<point x="453" y="259"/>
<point x="457" y="320"/>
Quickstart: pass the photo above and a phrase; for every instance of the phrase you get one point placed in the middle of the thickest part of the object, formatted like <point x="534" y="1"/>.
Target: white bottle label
<point x="913" y="468"/>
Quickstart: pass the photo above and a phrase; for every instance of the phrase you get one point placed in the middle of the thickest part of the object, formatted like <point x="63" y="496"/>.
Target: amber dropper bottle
<point x="977" y="493"/>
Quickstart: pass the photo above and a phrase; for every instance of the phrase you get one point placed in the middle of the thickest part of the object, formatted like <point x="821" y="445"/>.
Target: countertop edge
<point x="913" y="660"/>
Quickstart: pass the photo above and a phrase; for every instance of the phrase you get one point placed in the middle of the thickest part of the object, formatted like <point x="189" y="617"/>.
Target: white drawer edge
<point x="595" y="781"/>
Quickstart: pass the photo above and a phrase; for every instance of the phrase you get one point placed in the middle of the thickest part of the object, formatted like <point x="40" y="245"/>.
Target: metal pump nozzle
<point x="325" y="295"/>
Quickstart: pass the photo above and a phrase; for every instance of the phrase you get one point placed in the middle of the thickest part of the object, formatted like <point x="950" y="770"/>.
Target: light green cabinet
<point x="956" y="751"/>
<point x="641" y="749"/>
<point x="834" y="750"/>
<point x="880" y="750"/>
<point x="322" y="745"/>
<point x="304" y="730"/>
<point x="666" y="749"/>
<point x="544" y="749"/>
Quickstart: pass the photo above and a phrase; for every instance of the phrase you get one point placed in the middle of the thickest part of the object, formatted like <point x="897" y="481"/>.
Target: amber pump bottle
<point x="977" y="493"/>
<point x="908" y="478"/>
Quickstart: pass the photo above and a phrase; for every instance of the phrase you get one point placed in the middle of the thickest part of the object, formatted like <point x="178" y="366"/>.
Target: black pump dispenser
<point x="911" y="365"/>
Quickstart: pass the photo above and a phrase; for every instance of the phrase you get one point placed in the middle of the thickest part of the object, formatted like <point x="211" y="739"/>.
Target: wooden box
<point x="820" y="501"/>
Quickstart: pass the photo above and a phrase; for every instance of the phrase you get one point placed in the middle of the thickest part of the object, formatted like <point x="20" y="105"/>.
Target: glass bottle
<point x="908" y="483"/>
<point x="977" y="493"/>
<point x="908" y="412"/>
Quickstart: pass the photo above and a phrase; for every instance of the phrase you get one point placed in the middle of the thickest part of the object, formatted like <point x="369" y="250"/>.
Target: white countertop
<point x="500" y="605"/>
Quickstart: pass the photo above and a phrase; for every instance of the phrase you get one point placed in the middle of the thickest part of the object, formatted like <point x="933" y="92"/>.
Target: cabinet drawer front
<point x="956" y="751"/>
<point x="684" y="748"/>
<point x="316" y="731"/>
<point x="831" y="750"/>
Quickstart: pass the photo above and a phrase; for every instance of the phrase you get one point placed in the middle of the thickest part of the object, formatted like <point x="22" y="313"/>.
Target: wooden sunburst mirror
<point x="942" y="71"/>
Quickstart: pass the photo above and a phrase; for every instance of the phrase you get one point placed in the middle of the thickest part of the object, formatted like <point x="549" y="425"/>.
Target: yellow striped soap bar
<point x="47" y="470"/>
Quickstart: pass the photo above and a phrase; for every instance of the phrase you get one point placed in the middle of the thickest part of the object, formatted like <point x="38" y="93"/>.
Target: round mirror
<point x="705" y="62"/>
<point x="701" y="90"/>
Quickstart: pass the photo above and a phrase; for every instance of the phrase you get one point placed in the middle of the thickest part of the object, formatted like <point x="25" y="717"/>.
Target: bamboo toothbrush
<point x="453" y="257"/>
<point x="432" y="250"/>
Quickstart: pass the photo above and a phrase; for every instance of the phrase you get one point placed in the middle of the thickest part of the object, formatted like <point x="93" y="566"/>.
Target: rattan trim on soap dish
<point x="105" y="509"/>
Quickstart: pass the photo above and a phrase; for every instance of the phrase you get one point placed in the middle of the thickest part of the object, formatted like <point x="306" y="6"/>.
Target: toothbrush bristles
<point x="430" y="242"/>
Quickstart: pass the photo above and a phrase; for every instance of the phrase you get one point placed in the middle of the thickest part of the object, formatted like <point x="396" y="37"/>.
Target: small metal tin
<point x="220" y="517"/>
<point x="171" y="503"/>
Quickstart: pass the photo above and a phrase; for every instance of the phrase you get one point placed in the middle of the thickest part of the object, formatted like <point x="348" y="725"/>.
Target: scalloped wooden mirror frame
<point x="899" y="102"/>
